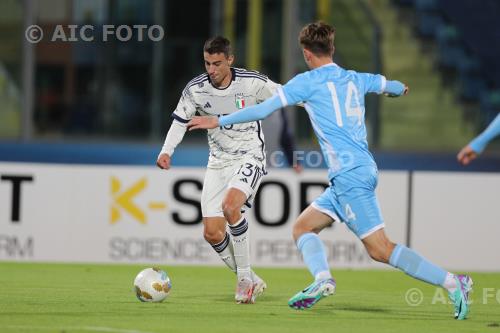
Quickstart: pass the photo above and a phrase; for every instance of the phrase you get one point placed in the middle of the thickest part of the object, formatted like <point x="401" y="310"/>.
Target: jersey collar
<point x="330" y="64"/>
<point x="233" y="78"/>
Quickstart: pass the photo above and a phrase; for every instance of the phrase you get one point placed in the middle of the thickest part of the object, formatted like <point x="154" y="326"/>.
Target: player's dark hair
<point x="318" y="38"/>
<point x="218" y="44"/>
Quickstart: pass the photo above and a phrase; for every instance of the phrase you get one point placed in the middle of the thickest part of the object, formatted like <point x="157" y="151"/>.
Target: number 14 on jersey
<point x="352" y="105"/>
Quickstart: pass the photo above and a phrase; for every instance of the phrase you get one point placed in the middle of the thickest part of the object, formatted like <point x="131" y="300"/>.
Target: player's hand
<point x="466" y="155"/>
<point x="406" y="90"/>
<point x="204" y="122"/>
<point x="391" y="95"/>
<point x="163" y="161"/>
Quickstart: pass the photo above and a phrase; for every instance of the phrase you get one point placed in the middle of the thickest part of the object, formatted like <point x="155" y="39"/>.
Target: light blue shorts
<point x="351" y="199"/>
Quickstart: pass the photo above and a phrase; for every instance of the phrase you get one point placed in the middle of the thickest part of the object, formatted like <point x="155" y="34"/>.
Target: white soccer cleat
<point x="244" y="291"/>
<point x="259" y="286"/>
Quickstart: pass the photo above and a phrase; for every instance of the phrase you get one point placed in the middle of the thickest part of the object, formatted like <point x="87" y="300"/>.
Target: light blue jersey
<point x="334" y="100"/>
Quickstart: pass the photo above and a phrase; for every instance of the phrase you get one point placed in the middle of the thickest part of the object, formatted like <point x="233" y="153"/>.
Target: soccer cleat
<point x="259" y="286"/>
<point x="460" y="297"/>
<point x="244" y="291"/>
<point x="312" y="294"/>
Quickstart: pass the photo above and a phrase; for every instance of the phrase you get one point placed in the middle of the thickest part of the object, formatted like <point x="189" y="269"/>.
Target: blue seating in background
<point x="471" y="79"/>
<point x="479" y="28"/>
<point x="467" y="40"/>
<point x="428" y="17"/>
<point x="490" y="107"/>
<point x="450" y="49"/>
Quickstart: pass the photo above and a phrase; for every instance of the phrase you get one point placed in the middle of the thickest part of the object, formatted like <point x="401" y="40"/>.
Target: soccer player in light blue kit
<point x="334" y="99"/>
<point x="476" y="146"/>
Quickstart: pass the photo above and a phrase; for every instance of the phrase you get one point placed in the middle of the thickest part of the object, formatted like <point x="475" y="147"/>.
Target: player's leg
<point x="242" y="188"/>
<point x="381" y="249"/>
<point x="399" y="256"/>
<point x="216" y="235"/>
<point x="311" y="221"/>
<point x="214" y="231"/>
<point x="305" y="233"/>
<point x="238" y="227"/>
<point x="363" y="216"/>
<point x="214" y="222"/>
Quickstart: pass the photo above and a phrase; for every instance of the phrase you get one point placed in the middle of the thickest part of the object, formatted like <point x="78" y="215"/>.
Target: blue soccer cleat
<point x="312" y="294"/>
<point x="460" y="297"/>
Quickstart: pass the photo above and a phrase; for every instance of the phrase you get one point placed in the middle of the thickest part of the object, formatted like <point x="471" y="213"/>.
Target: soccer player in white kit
<point x="237" y="159"/>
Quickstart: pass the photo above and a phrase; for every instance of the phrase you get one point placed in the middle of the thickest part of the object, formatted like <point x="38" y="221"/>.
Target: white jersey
<point x="231" y="143"/>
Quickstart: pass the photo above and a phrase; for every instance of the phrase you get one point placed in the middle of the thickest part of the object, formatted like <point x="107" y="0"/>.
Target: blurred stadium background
<point x="82" y="122"/>
<point x="115" y="92"/>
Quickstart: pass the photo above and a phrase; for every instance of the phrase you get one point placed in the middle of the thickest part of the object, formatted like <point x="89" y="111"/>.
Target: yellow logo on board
<point x="123" y="201"/>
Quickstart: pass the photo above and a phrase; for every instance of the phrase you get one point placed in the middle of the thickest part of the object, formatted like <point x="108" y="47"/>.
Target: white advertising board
<point x="455" y="221"/>
<point x="69" y="213"/>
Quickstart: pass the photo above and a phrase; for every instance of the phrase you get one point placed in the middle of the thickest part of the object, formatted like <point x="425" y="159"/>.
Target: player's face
<point x="218" y="66"/>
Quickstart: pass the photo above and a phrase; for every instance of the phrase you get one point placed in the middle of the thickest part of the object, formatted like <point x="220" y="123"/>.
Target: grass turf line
<point x="71" y="298"/>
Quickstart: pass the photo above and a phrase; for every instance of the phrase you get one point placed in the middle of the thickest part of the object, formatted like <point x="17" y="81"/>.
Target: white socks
<point x="241" y="247"/>
<point x="450" y="283"/>
<point x="225" y="251"/>
<point x="323" y="276"/>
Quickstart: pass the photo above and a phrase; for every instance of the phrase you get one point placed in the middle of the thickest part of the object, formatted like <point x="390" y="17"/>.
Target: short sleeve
<point x="296" y="90"/>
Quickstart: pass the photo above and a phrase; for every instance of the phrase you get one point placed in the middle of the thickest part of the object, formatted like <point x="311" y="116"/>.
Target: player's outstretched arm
<point x="395" y="89"/>
<point x="251" y="113"/>
<point x="476" y="146"/>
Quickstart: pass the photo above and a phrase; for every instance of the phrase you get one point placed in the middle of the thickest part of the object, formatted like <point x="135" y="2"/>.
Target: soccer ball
<point x="152" y="285"/>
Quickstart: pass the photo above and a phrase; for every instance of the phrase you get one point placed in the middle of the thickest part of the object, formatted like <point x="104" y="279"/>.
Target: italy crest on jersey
<point x="240" y="101"/>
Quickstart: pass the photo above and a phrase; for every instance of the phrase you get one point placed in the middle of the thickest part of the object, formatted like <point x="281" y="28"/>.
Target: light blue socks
<point x="416" y="266"/>
<point x="314" y="255"/>
<point x="403" y="258"/>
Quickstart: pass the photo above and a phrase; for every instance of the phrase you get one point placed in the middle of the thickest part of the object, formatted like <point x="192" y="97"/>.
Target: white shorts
<point x="245" y="176"/>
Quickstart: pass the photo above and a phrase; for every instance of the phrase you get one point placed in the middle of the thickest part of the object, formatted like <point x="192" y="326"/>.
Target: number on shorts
<point x="247" y="170"/>
<point x="349" y="213"/>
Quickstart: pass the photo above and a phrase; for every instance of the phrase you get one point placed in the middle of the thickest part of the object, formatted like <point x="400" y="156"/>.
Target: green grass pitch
<point x="70" y="298"/>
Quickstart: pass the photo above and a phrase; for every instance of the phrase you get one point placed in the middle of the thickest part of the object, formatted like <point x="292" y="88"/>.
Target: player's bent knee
<point x="231" y="211"/>
<point x="381" y="253"/>
<point x="299" y="229"/>
<point x="213" y="236"/>
<point x="377" y="256"/>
